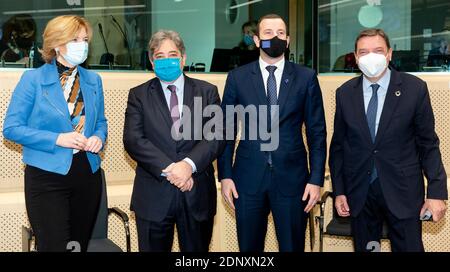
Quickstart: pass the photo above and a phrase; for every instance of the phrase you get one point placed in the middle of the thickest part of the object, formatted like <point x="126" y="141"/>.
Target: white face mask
<point x="77" y="52"/>
<point x="372" y="64"/>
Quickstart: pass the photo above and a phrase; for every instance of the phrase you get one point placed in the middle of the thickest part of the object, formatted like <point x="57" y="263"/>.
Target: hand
<point x="73" y="140"/>
<point x="313" y="191"/>
<point x="437" y="207"/>
<point x="342" y="206"/>
<point x="178" y="173"/>
<point x="188" y="185"/>
<point x="229" y="192"/>
<point x="94" y="144"/>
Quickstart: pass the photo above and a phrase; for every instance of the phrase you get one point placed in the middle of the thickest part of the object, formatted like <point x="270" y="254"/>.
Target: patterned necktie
<point x="174" y="110"/>
<point x="272" y="99"/>
<point x="271" y="86"/>
<point x="371" y="116"/>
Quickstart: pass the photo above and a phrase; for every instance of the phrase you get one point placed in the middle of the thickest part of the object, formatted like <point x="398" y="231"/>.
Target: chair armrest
<point x="321" y="218"/>
<point x="118" y="212"/>
<point x="126" y="223"/>
<point x="326" y="194"/>
<point x="324" y="197"/>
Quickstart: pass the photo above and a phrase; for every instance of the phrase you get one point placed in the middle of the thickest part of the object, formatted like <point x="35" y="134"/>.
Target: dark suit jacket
<point x="300" y="102"/>
<point x="147" y="138"/>
<point x="405" y="145"/>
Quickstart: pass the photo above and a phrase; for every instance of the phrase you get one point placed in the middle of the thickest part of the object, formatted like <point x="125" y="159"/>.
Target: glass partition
<point x="214" y="31"/>
<point x="419" y="32"/>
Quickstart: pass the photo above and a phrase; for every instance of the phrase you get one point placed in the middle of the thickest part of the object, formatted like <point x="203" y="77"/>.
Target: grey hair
<point x="161" y="35"/>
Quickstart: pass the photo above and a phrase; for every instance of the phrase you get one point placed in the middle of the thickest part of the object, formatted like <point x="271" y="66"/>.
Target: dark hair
<point x="20" y="23"/>
<point x="371" y="32"/>
<point x="270" y="16"/>
<point x="251" y="24"/>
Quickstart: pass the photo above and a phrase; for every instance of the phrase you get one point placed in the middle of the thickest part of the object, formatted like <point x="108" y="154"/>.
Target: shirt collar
<point x="279" y="64"/>
<point x="383" y="81"/>
<point x="179" y="83"/>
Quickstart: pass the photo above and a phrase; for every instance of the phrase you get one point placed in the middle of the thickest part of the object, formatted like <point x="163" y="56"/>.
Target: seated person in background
<point x="248" y="31"/>
<point x="19" y="34"/>
<point x="345" y="63"/>
<point x="247" y="50"/>
<point x="439" y="55"/>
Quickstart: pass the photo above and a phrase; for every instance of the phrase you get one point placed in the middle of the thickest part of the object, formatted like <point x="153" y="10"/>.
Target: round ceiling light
<point x="370" y="16"/>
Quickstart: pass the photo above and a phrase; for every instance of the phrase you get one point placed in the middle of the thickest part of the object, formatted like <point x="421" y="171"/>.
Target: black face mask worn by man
<point x="274" y="47"/>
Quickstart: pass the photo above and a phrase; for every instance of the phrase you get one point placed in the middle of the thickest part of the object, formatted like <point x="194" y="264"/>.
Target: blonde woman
<point x="57" y="114"/>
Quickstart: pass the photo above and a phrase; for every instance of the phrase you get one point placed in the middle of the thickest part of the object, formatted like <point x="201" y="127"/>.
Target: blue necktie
<point x="272" y="98"/>
<point x="271" y="86"/>
<point x="371" y="116"/>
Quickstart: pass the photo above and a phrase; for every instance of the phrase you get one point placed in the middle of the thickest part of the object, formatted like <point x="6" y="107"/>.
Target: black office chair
<point x="338" y="226"/>
<point x="99" y="241"/>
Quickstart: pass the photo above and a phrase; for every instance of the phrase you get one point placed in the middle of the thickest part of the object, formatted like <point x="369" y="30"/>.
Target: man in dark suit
<point x="174" y="181"/>
<point x="279" y="180"/>
<point x="383" y="140"/>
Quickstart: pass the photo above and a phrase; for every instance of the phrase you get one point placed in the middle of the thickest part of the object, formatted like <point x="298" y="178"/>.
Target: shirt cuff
<point x="191" y="163"/>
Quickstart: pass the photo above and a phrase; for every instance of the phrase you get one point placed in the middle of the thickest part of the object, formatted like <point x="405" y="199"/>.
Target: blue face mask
<point x="248" y="40"/>
<point x="167" y="70"/>
<point x="77" y="52"/>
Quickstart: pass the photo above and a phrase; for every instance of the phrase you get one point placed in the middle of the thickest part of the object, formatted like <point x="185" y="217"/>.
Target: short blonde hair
<point x="61" y="30"/>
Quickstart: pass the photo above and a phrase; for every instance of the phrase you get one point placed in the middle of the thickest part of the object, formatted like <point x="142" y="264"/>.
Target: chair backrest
<point x="100" y="230"/>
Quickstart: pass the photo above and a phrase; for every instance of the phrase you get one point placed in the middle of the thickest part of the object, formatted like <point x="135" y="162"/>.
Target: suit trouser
<point x="252" y="213"/>
<point x="63" y="208"/>
<point x="193" y="235"/>
<point x="404" y="234"/>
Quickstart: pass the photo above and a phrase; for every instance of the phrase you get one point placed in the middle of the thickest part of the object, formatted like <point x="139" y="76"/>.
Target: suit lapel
<point x="285" y="84"/>
<point x="360" y="112"/>
<point x="258" y="83"/>
<point x="188" y="95"/>
<point x="157" y="93"/>
<point x="195" y="112"/>
<point x="390" y="104"/>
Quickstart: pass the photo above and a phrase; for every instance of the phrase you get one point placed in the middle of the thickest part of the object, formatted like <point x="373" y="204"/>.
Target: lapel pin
<point x="286" y="81"/>
<point x="398" y="93"/>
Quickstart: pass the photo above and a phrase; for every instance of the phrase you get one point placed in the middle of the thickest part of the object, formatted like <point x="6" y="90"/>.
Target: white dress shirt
<point x="179" y="83"/>
<point x="381" y="94"/>
<point x="278" y="73"/>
